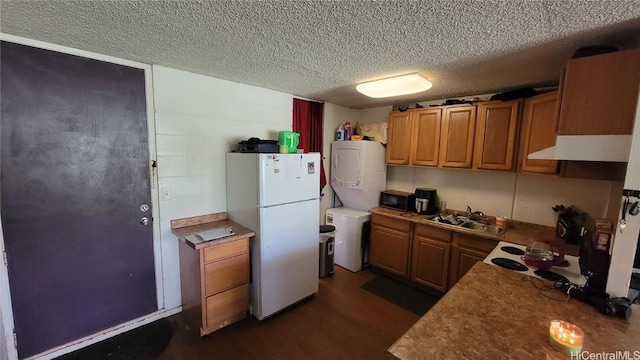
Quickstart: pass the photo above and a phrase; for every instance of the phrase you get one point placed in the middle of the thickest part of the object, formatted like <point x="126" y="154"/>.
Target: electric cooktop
<point x="510" y="256"/>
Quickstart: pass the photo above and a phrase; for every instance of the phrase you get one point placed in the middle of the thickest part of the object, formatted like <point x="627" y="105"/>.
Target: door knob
<point x="144" y="221"/>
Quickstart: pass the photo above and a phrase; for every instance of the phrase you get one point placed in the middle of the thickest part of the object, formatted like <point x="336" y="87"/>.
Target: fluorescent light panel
<point x="395" y="86"/>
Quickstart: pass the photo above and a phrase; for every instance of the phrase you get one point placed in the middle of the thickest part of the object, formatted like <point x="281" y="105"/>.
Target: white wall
<point x="523" y="197"/>
<point x="198" y="120"/>
<point x="626" y="241"/>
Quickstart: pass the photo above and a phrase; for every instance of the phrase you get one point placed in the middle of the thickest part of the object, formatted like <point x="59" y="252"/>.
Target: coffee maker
<point x="426" y="201"/>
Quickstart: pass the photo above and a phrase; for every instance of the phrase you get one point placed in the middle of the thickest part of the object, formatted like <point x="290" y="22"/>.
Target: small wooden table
<point x="214" y="275"/>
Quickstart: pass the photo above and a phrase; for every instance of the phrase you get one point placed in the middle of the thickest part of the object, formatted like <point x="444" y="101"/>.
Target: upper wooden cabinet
<point x="425" y="141"/>
<point x="457" y="135"/>
<point x="599" y="94"/>
<point x="538" y="124"/>
<point x="399" y="140"/>
<point x="414" y="137"/>
<point x="496" y="134"/>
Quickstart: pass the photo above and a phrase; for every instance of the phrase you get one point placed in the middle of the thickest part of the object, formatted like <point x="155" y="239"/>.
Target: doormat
<point x="143" y="343"/>
<point x="403" y="295"/>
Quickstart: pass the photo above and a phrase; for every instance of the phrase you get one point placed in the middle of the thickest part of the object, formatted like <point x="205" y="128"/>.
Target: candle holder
<point x="566" y="337"/>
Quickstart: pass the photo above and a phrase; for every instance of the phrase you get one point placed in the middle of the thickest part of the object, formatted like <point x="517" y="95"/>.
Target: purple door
<point x="75" y="184"/>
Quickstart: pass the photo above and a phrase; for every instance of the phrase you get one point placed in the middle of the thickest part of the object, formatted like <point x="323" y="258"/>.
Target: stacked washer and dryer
<point x="358" y="175"/>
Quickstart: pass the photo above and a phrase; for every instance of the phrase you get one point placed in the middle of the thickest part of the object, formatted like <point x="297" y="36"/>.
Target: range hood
<point x="612" y="148"/>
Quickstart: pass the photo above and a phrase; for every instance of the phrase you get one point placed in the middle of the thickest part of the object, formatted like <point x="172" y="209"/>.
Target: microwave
<point x="397" y="200"/>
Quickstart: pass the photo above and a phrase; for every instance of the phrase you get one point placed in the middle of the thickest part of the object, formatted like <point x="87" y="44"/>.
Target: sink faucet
<point x="470" y="214"/>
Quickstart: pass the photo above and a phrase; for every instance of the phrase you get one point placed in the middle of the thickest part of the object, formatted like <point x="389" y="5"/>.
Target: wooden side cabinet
<point x="215" y="284"/>
<point x="390" y="244"/>
<point x="430" y="256"/>
<point x="496" y="134"/>
<point x="466" y="251"/>
<point x="458" y="133"/>
<point x="538" y="132"/>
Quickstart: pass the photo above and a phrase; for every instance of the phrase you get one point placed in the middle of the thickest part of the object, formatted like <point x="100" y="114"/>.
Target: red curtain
<point x="307" y="121"/>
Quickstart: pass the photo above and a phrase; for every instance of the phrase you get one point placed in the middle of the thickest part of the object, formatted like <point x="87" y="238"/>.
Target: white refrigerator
<point x="277" y="196"/>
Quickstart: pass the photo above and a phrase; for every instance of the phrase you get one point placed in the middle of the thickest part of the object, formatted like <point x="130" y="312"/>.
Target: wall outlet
<point x="166" y="193"/>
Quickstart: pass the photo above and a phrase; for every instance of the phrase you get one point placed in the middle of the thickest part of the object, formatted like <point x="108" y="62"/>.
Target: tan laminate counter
<point x="192" y="225"/>
<point x="494" y="313"/>
<point x="517" y="232"/>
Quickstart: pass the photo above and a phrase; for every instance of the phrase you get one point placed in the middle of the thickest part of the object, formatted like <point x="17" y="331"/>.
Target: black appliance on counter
<point x="255" y="145"/>
<point x="431" y="197"/>
<point x="397" y="200"/>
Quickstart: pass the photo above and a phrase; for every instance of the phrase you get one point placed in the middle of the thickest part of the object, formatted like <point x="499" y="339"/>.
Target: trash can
<point x="327" y="242"/>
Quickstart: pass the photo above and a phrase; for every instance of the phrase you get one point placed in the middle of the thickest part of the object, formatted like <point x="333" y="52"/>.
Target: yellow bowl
<point x="356" y="137"/>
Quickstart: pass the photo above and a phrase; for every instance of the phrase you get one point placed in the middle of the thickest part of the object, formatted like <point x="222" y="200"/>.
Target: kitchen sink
<point x="489" y="229"/>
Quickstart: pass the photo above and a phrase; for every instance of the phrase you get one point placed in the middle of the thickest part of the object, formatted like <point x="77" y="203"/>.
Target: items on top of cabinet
<point x="347" y="130"/>
<point x="344" y="132"/>
<point x="377" y="131"/>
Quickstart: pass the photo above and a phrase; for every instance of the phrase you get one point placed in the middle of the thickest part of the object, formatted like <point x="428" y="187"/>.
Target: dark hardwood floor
<point x="342" y="321"/>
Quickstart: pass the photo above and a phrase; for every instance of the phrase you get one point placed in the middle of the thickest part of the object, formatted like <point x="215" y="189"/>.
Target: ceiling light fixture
<point x="395" y="86"/>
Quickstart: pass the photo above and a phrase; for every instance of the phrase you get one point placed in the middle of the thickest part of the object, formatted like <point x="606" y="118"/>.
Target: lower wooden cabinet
<point x="430" y="256"/>
<point x="215" y="284"/>
<point x="390" y="244"/>
<point x="466" y="251"/>
<point x="424" y="254"/>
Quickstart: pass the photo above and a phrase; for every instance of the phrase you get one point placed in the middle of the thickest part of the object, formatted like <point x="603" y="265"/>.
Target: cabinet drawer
<point x="226" y="305"/>
<point x="433" y="233"/>
<point x="475" y="242"/>
<point x="226" y="250"/>
<point x="225" y="274"/>
<point x="388" y="222"/>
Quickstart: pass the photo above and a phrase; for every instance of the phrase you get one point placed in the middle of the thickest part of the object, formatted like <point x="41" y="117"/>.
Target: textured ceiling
<point x="322" y="49"/>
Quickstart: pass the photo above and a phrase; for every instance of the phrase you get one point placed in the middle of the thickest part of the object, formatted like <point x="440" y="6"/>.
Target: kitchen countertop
<point x="517" y="232"/>
<point x="195" y="224"/>
<point x="494" y="313"/>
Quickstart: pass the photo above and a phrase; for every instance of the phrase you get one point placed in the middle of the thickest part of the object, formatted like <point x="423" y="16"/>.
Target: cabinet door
<point x="389" y="249"/>
<point x="399" y="141"/>
<point x="468" y="258"/>
<point x="496" y="130"/>
<point x="430" y="257"/>
<point x="466" y="251"/>
<point x="538" y="124"/>
<point x="425" y="142"/>
<point x="599" y="94"/>
<point x="458" y="131"/>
